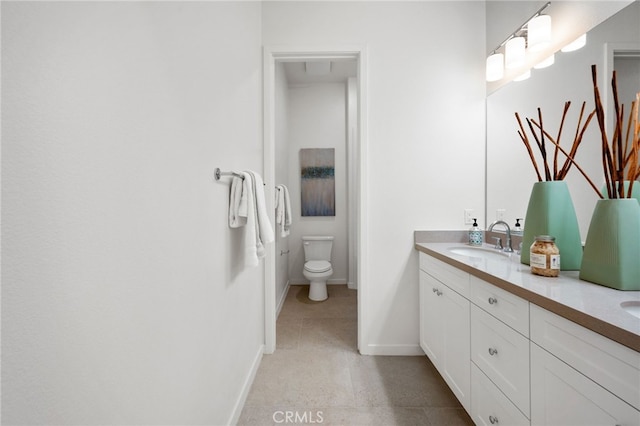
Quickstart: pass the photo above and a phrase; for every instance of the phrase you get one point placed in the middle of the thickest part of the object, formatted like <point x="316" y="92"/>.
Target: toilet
<point x="317" y="264"/>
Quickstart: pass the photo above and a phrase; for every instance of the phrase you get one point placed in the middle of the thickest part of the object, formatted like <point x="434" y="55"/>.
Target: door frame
<point x="271" y="55"/>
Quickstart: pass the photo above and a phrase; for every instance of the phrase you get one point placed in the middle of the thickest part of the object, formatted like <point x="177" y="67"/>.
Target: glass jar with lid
<point x="545" y="256"/>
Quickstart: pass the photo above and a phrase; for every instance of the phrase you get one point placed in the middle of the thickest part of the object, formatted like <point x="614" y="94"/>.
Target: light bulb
<point x="524" y="76"/>
<point x="495" y="67"/>
<point x="576" y="44"/>
<point x="514" y="53"/>
<point x="539" y="33"/>
<point x="546" y="62"/>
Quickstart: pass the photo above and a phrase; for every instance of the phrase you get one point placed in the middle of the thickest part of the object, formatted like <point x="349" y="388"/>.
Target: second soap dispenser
<point x="475" y="234"/>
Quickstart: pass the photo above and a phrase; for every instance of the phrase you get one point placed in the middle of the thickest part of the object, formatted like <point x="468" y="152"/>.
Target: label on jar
<point x="540" y="261"/>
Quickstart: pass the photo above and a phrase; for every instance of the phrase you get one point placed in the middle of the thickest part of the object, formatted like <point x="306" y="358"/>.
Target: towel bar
<point x="219" y="174"/>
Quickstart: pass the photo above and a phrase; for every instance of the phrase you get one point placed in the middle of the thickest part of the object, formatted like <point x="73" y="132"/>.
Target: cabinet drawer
<point x="507" y="307"/>
<point x="610" y="364"/>
<point x="453" y="277"/>
<point x="503" y="355"/>
<point x="561" y="395"/>
<point x="489" y="406"/>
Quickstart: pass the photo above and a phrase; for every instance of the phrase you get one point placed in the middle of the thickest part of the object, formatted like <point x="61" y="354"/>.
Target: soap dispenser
<point x="475" y="234"/>
<point x="517" y="229"/>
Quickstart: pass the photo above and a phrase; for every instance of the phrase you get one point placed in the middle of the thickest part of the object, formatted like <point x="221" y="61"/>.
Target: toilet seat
<point x="317" y="266"/>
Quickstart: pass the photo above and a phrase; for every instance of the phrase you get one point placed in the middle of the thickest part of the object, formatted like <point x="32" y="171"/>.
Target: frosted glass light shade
<point x="495" y="67"/>
<point x="514" y="53"/>
<point x="546" y="62"/>
<point x="576" y="44"/>
<point x="539" y="33"/>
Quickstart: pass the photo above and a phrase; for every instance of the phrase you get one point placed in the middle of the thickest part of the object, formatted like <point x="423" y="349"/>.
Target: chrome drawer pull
<point x="493" y="300"/>
<point x="493" y="351"/>
<point x="493" y="420"/>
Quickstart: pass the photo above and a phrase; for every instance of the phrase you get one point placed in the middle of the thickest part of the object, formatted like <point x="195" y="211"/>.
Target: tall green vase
<point x="635" y="193"/>
<point x="612" y="250"/>
<point x="551" y="212"/>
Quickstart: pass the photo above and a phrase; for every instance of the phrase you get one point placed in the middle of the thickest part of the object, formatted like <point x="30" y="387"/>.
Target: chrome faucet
<point x="508" y="248"/>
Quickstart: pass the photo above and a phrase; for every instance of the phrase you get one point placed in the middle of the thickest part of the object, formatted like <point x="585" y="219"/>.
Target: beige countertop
<point x="593" y="306"/>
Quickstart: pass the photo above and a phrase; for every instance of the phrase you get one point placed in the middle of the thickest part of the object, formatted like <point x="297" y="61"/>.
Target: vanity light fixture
<point x="539" y="33"/>
<point x="515" y="46"/>
<point x="576" y="44"/>
<point x="545" y="62"/>
<point x="495" y="67"/>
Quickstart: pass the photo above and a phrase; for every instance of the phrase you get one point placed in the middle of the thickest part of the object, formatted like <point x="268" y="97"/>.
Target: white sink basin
<point x="479" y="252"/>
<point x="632" y="306"/>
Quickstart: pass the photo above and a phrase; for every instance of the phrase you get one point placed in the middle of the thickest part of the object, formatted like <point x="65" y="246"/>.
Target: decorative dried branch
<point x="622" y="154"/>
<point x="525" y="140"/>
<point x="570" y="158"/>
<point x="540" y="141"/>
<point x="576" y="142"/>
<point x="555" y="154"/>
<point x="618" y="160"/>
<point x="607" y="163"/>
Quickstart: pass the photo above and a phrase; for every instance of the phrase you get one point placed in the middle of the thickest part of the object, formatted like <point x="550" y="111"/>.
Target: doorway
<point x="276" y="58"/>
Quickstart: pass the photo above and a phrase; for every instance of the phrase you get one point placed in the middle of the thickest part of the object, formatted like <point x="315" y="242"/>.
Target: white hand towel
<point x="265" y="230"/>
<point x="237" y="204"/>
<point x="258" y="230"/>
<point x="283" y="210"/>
<point x="287" y="211"/>
<point x="250" y="235"/>
<point x="279" y="204"/>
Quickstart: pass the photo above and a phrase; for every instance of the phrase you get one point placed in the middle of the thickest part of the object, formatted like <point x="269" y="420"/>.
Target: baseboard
<point x="352" y="285"/>
<point x="393" y="350"/>
<point x="246" y="387"/>
<point x="282" y="299"/>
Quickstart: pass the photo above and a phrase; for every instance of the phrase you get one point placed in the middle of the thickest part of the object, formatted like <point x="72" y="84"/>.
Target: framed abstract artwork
<point x="318" y="186"/>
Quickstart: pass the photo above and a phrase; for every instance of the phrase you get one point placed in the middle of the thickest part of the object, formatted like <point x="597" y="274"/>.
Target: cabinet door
<point x="456" y="358"/>
<point x="489" y="406"/>
<point x="431" y="330"/>
<point x="562" y="396"/>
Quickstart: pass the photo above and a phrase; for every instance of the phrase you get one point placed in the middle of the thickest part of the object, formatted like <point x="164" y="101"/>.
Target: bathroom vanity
<point x="517" y="348"/>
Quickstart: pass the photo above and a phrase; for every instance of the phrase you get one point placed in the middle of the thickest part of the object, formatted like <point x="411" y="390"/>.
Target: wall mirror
<point x="510" y="174"/>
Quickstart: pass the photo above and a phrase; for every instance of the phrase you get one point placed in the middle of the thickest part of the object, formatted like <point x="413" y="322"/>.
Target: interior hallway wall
<point x="123" y="301"/>
<point x="425" y="152"/>
<point x="282" y="177"/>
<point x="317" y="119"/>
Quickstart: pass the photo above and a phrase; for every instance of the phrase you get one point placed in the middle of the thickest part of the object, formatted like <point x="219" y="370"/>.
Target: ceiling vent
<point x="318" y="68"/>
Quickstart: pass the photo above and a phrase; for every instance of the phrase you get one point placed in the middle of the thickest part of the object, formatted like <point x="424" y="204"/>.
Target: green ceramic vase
<point x="551" y="212"/>
<point x="612" y="250"/>
<point x="635" y="193"/>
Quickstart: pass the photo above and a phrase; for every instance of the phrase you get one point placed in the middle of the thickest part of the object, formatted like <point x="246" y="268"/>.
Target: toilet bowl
<point x="317" y="267"/>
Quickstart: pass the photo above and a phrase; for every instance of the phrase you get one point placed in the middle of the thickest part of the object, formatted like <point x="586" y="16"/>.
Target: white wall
<point x="122" y="301"/>
<point x="425" y="149"/>
<point x="317" y="119"/>
<point x="282" y="177"/>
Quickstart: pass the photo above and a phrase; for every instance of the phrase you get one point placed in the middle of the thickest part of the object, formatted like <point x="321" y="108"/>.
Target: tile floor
<point x="317" y="376"/>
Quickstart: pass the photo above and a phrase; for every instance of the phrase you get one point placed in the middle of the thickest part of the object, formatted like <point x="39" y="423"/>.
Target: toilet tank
<point x="317" y="247"/>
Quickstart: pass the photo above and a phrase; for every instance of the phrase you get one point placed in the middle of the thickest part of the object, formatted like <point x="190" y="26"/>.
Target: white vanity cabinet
<point x="579" y="377"/>
<point x="444" y="324"/>
<point x="512" y="362"/>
